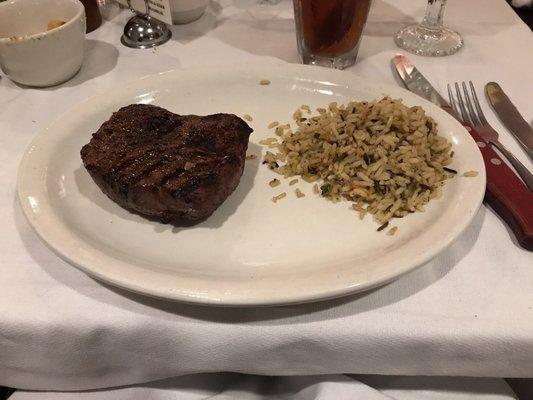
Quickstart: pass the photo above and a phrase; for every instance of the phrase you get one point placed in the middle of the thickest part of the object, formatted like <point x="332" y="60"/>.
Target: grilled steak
<point x="165" y="166"/>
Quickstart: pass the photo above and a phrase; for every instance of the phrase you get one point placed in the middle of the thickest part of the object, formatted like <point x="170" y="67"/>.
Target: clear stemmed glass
<point x="430" y="37"/>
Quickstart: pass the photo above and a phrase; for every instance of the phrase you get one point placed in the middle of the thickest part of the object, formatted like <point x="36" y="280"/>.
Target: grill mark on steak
<point x="138" y="159"/>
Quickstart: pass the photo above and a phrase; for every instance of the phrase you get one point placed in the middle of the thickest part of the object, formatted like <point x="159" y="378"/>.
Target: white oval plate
<point x="250" y="251"/>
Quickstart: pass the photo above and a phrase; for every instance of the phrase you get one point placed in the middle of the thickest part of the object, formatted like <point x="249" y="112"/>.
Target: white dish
<point x="250" y="251"/>
<point x="33" y="56"/>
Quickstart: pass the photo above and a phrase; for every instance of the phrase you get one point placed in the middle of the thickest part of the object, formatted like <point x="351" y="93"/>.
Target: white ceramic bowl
<point x="33" y="56"/>
<point x="185" y="11"/>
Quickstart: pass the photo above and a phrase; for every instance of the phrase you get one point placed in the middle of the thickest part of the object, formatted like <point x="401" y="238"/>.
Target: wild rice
<point x="451" y="171"/>
<point x="299" y="193"/>
<point x="392" y="231"/>
<point x="383" y="226"/>
<point x="248" y="117"/>
<point x="382" y="155"/>
<point x="293" y="182"/>
<point x="264" y="82"/>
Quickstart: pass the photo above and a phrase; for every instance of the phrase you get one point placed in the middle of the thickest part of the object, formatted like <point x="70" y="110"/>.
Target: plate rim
<point x="40" y="228"/>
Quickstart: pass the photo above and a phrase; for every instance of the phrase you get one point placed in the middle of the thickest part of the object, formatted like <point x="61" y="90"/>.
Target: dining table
<point x="466" y="314"/>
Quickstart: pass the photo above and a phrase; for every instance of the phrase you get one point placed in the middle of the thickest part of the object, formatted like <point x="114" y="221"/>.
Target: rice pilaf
<point x="385" y="157"/>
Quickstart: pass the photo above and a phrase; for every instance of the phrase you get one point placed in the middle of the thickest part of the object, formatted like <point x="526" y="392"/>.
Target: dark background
<point x="526" y="13"/>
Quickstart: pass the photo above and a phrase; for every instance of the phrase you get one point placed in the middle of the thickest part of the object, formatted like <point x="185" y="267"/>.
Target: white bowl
<point x="33" y="56"/>
<point x="185" y="11"/>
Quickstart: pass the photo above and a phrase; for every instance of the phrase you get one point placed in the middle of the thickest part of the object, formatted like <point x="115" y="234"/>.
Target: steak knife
<point x="510" y="117"/>
<point x="505" y="192"/>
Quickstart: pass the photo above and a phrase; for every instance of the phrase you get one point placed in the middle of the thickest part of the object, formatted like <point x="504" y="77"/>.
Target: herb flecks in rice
<point x="382" y="155"/>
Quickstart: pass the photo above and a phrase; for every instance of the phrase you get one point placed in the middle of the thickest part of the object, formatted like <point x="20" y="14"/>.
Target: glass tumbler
<point x="329" y="32"/>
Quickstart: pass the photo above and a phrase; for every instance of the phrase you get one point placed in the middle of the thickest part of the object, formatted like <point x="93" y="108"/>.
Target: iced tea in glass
<point x="329" y="31"/>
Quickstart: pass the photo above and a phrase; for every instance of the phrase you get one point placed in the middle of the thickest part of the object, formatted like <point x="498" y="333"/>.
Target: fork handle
<point x="515" y="162"/>
<point x="506" y="194"/>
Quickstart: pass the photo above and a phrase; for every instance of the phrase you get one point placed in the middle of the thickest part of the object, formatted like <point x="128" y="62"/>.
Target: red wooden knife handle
<point x="507" y="194"/>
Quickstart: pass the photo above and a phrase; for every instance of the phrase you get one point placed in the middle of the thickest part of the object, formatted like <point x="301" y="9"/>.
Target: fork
<point x="477" y="119"/>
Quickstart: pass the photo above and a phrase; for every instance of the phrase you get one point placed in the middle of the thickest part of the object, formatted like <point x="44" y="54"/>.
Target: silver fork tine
<point x="473" y="116"/>
<point x="480" y="114"/>
<point x="452" y="100"/>
<point x="464" y="114"/>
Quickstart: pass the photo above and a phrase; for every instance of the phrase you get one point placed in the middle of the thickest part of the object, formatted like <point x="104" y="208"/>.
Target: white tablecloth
<point x="468" y="312"/>
<point x="228" y="386"/>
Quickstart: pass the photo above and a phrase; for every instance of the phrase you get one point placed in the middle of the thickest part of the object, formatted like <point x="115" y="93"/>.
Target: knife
<point x="418" y="84"/>
<point x="510" y="117"/>
<point x="505" y="193"/>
